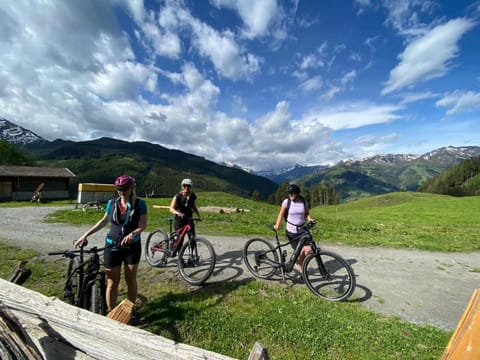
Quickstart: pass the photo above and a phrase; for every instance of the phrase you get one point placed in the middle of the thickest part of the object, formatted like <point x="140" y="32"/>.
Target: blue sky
<point x="262" y="84"/>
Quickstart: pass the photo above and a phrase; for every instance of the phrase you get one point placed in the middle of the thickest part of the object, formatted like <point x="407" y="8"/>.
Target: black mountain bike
<point x="326" y="273"/>
<point x="85" y="283"/>
<point x="196" y="256"/>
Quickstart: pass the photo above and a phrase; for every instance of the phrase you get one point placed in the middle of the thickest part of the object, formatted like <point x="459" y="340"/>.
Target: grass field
<point x="290" y="322"/>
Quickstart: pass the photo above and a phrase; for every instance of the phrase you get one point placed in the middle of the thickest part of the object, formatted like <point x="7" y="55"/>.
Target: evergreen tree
<point x="281" y="192"/>
<point x="11" y="155"/>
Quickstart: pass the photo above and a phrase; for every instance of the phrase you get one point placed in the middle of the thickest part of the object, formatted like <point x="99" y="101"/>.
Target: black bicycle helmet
<point x="293" y="189"/>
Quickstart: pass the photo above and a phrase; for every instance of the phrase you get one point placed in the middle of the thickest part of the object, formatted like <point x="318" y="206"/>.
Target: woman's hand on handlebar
<point x="81" y="242"/>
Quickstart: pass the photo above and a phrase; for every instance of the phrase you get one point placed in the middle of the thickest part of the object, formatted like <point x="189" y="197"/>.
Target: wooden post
<point x="19" y="274"/>
<point x="465" y="341"/>
<point x="259" y="352"/>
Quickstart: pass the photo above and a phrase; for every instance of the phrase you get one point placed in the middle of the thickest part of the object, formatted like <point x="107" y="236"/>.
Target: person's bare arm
<point x="173" y="207"/>
<point x="99" y="225"/>
<point x="281" y="215"/>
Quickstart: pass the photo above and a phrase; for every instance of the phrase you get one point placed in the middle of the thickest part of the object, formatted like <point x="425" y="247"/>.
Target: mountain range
<point x="16" y="134"/>
<point x="353" y="178"/>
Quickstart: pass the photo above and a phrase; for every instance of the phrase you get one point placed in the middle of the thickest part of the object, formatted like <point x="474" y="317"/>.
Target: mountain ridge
<point x="354" y="178"/>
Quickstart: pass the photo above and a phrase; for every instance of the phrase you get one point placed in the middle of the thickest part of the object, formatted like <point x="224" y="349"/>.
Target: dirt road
<point x="417" y="286"/>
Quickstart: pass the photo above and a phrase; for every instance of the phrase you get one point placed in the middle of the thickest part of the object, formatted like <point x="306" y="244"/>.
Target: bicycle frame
<point x="181" y="232"/>
<point x="304" y="238"/>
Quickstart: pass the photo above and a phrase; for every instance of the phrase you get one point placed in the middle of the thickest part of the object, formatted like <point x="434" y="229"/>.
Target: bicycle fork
<point x="321" y="266"/>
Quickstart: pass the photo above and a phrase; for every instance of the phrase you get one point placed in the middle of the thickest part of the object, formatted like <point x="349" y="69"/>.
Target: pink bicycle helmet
<point x="125" y="181"/>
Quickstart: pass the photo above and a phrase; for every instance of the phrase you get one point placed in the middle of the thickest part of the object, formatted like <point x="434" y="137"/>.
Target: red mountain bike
<point x="196" y="256"/>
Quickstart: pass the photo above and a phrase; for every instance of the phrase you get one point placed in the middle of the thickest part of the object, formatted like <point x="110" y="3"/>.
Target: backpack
<point x="289" y="202"/>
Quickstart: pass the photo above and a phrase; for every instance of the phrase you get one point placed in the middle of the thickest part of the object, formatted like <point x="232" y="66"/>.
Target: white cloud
<point x="224" y="52"/>
<point x="428" y="57"/>
<point x="123" y="80"/>
<point x="311" y="84"/>
<point x="349" y="78"/>
<point x="411" y="97"/>
<point x="459" y="102"/>
<point x="258" y="16"/>
<point x="354" y="115"/>
<point x="404" y="15"/>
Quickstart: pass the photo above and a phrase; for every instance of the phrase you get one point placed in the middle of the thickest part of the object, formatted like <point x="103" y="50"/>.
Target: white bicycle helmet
<point x="188" y="182"/>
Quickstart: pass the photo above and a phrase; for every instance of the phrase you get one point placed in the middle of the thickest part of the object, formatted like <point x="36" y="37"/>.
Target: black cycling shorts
<point x="115" y="256"/>
<point x="296" y="236"/>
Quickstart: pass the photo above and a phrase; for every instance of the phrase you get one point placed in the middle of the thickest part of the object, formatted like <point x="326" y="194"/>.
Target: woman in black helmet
<point x="295" y="211"/>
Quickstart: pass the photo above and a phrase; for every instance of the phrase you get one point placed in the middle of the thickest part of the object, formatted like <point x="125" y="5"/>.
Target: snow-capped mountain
<point x="16" y="134"/>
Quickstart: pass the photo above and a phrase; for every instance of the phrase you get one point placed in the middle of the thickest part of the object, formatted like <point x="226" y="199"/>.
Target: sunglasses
<point x="122" y="188"/>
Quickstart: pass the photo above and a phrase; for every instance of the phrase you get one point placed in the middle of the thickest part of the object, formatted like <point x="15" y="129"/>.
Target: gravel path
<point x="417" y="286"/>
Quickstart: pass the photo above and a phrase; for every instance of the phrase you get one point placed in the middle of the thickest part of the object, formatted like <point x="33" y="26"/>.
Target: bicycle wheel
<point x="196" y="261"/>
<point x="97" y="298"/>
<point x="261" y="258"/>
<point x="328" y="275"/>
<point x="156" y="248"/>
<point x="72" y="284"/>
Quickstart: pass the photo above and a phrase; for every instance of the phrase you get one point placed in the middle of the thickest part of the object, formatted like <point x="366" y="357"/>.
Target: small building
<point x="21" y="183"/>
<point x="92" y="192"/>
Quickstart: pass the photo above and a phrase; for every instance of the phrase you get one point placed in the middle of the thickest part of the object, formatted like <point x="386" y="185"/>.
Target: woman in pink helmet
<point x="127" y="215"/>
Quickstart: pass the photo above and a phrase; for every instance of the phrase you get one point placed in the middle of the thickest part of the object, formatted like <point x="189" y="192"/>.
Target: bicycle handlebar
<point x="307" y="225"/>
<point x="92" y="250"/>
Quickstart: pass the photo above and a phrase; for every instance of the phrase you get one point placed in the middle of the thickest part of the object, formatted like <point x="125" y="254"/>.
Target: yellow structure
<point x="465" y="341"/>
<point x="92" y="192"/>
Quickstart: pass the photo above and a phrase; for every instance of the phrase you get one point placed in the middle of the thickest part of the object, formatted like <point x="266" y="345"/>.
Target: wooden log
<point x="89" y="335"/>
<point x="15" y="343"/>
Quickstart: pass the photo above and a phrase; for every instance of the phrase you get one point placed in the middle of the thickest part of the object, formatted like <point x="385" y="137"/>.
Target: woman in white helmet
<point x="183" y="205"/>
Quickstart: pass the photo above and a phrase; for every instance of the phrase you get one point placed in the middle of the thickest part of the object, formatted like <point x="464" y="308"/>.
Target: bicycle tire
<point x="259" y="256"/>
<point x="97" y="298"/>
<point x="72" y="284"/>
<point x="156" y="248"/>
<point x="196" y="265"/>
<point x="328" y="275"/>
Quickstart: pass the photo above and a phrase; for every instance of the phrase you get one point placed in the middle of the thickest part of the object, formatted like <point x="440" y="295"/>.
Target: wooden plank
<point x="465" y="341"/>
<point x="92" y="334"/>
<point x="122" y="312"/>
